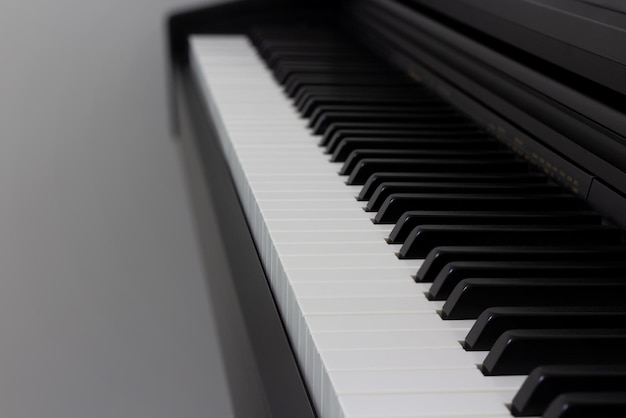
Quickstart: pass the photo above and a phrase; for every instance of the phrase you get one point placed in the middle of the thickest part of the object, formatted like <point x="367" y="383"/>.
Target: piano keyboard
<point x="369" y="341"/>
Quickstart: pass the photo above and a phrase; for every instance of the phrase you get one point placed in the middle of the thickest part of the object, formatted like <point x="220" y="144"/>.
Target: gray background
<point x="103" y="305"/>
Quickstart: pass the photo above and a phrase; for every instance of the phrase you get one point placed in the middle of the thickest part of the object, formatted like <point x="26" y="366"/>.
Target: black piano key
<point x="338" y="128"/>
<point x="397" y="204"/>
<point x="410" y="220"/>
<point x="267" y="46"/>
<point x="424" y="238"/>
<point x="294" y="70"/>
<point x="369" y="166"/>
<point x="419" y="94"/>
<point x="315" y="55"/>
<point x="329" y="41"/>
<point x="329" y="118"/>
<point x="440" y="256"/>
<point x="472" y="296"/>
<point x="493" y="322"/>
<point x="545" y="383"/>
<point x="406" y="108"/>
<point x="454" y="272"/>
<point x="285" y="69"/>
<point x="330" y="64"/>
<point x="313" y="48"/>
<point x="309" y="94"/>
<point x="269" y="33"/>
<point x="348" y="145"/>
<point x="276" y="37"/>
<point x="357" y="100"/>
<point x="295" y="84"/>
<point x="587" y="405"/>
<point x="520" y="351"/>
<point x="422" y="99"/>
<point x="359" y="155"/>
<point x="272" y="34"/>
<point x="377" y="179"/>
<point x="421" y="133"/>
<point x="305" y="95"/>
<point x="386" y="189"/>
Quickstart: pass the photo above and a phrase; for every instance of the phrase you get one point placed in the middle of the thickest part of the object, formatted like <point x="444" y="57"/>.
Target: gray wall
<point x="103" y="307"/>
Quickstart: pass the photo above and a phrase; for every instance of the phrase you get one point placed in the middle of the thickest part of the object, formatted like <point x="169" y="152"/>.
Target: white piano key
<point x="327" y="204"/>
<point x="249" y="156"/>
<point x="384" y="288"/>
<point x="305" y="186"/>
<point x="255" y="137"/>
<point x="277" y="152"/>
<point x="332" y="214"/>
<point x="420" y="381"/>
<point x="361" y="306"/>
<point x="313" y="261"/>
<point x="294" y="178"/>
<point x="415" y="404"/>
<point x="359" y="274"/>
<point x="402" y="359"/>
<point x="332" y="248"/>
<point x="305" y="195"/>
<point x="363" y="224"/>
<point x="381" y="322"/>
<point x="392" y="340"/>
<point x="286" y="167"/>
<point x="329" y="236"/>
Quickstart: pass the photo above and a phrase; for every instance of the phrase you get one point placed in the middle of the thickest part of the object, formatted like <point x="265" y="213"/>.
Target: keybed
<point x="326" y="286"/>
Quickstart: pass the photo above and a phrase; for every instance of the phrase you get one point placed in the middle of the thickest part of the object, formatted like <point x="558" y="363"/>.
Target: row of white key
<point x="368" y="341"/>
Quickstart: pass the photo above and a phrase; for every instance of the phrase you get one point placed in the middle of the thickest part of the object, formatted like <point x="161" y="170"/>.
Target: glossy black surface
<point x="520" y="351"/>
<point x="544" y="384"/>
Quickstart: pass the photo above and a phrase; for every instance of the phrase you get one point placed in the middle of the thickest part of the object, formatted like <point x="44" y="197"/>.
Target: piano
<point x="421" y="205"/>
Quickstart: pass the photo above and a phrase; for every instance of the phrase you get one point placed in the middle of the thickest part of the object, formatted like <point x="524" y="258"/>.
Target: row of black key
<point x="541" y="273"/>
